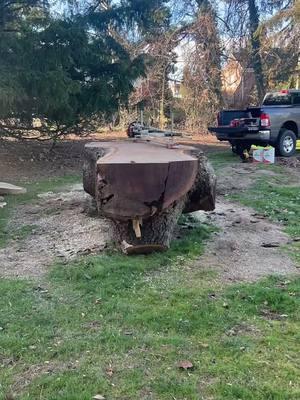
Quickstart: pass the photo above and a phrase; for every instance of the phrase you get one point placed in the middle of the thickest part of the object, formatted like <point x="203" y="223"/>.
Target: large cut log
<point x="143" y="187"/>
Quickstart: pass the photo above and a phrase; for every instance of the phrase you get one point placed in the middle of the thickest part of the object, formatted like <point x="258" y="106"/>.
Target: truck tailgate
<point x="238" y="131"/>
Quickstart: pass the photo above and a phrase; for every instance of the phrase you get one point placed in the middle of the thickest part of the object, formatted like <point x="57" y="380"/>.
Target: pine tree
<point x="69" y="71"/>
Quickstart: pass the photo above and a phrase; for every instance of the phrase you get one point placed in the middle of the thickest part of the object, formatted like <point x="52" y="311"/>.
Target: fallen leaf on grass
<point x="204" y="345"/>
<point x="109" y="371"/>
<point x="9" y="397"/>
<point x="185" y="365"/>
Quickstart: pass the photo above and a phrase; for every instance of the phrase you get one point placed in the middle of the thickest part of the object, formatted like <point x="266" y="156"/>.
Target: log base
<point x="142" y="249"/>
<point x="154" y="234"/>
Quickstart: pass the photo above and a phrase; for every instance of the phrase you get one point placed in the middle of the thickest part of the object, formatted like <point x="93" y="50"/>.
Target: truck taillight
<point x="234" y="123"/>
<point x="265" y="120"/>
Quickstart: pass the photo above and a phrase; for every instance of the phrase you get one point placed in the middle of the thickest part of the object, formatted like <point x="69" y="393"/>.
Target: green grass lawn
<point x="118" y="326"/>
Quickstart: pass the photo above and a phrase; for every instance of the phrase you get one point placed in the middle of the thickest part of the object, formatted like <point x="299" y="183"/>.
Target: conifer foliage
<point x="66" y="71"/>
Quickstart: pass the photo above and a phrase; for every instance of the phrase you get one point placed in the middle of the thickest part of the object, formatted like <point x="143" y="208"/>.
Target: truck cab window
<point x="278" y="99"/>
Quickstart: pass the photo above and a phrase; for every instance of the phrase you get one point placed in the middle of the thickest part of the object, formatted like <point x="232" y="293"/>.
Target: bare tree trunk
<point x="256" y="46"/>
<point x="162" y="102"/>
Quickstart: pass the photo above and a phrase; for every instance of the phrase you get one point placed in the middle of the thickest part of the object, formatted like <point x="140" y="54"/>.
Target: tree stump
<point x="144" y="186"/>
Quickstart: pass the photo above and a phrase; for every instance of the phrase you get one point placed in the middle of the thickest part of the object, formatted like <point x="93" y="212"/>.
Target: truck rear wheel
<point x="233" y="147"/>
<point x="241" y="148"/>
<point x="286" y="145"/>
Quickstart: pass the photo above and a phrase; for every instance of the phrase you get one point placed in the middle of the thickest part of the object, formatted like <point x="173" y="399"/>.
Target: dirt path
<point x="59" y="229"/>
<point x="247" y="246"/>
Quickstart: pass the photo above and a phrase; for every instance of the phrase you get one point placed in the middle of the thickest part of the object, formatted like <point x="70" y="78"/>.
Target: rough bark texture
<point x="256" y="47"/>
<point x="203" y="193"/>
<point x="156" y="231"/>
<point x="144" y="191"/>
<point x="91" y="156"/>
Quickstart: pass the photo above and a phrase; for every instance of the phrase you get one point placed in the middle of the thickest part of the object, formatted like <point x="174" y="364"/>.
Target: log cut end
<point x="143" y="187"/>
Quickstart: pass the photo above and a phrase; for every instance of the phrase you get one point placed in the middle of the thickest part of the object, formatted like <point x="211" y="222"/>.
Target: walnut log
<point x="144" y="186"/>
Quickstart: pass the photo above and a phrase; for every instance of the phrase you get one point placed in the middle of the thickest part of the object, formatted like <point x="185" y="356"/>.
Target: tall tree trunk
<point x="256" y="46"/>
<point x="162" y="102"/>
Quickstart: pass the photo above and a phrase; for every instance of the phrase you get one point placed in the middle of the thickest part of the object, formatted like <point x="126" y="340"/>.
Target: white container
<point x="269" y="155"/>
<point x="257" y="154"/>
<point x="264" y="155"/>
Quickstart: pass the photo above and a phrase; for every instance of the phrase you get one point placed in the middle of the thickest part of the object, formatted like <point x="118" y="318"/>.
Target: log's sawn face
<point x="143" y="187"/>
<point x="138" y="180"/>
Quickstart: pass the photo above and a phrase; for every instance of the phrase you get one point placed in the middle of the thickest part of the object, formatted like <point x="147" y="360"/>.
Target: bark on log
<point x="156" y="231"/>
<point x="202" y="196"/>
<point x="144" y="187"/>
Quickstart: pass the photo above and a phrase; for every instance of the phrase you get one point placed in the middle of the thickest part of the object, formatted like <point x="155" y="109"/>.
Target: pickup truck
<point x="276" y="122"/>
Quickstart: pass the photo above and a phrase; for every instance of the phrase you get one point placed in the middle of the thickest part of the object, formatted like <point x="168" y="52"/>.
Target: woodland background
<point x="78" y="66"/>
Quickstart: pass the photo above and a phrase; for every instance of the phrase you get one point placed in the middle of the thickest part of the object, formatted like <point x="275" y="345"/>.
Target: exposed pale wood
<point x="136" y="224"/>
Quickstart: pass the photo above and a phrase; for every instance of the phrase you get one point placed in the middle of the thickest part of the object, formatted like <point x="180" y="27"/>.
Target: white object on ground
<point x="264" y="155"/>
<point x="7" y="188"/>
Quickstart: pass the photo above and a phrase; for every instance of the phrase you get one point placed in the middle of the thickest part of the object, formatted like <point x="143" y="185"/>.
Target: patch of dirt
<point x="62" y="231"/>
<point x="35" y="371"/>
<point x="247" y="246"/>
<point x="58" y="228"/>
<point x="238" y="251"/>
<point x="29" y="161"/>
<point x="272" y="316"/>
<point x="244" y="329"/>
<point x="236" y="177"/>
<point x="293" y="162"/>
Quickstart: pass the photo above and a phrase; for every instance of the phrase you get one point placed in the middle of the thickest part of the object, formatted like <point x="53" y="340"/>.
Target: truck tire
<point x="233" y="146"/>
<point x="241" y="146"/>
<point x="234" y="149"/>
<point x="286" y="145"/>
